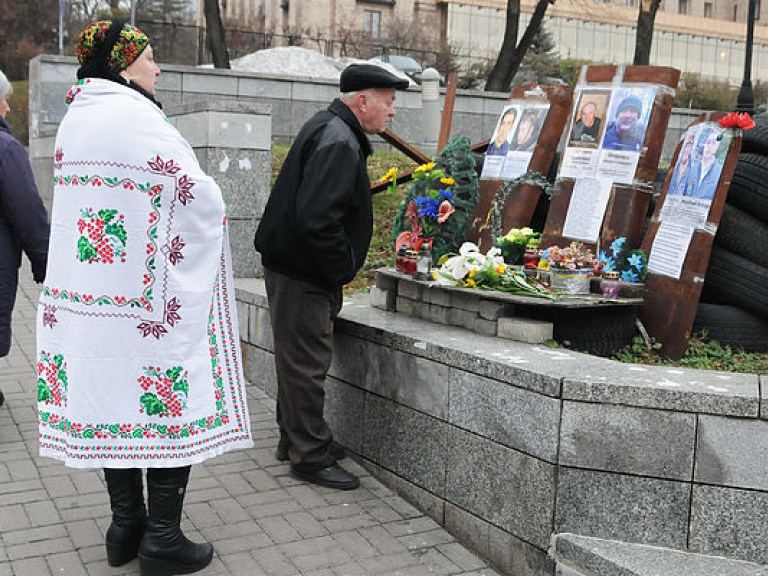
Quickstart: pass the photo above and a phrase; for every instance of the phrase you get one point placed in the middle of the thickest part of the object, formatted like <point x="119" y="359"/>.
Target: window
<point x="707" y="9"/>
<point x="372" y="23"/>
<point x="682" y="6"/>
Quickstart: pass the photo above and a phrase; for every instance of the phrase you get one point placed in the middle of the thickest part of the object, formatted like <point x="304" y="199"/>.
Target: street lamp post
<point x="745" y="102"/>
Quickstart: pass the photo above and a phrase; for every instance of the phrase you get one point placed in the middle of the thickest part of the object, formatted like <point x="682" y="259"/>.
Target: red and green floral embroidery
<point x="125" y="431"/>
<point x="103" y="236"/>
<point x="103" y="239"/>
<point x="52" y="379"/>
<point x="165" y="392"/>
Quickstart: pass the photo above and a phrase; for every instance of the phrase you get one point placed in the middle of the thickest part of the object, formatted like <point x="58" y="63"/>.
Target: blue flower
<point x="629" y="276"/>
<point x="428" y="207"/>
<point x="445" y="195"/>
<point x="608" y="267"/>
<point x="604" y="256"/>
<point x="636" y="260"/>
<point x="617" y="245"/>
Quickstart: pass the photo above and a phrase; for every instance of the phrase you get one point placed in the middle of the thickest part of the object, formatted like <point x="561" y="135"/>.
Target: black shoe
<point x="129" y="514"/>
<point x="164" y="549"/>
<point x="336" y="450"/>
<point x="332" y="477"/>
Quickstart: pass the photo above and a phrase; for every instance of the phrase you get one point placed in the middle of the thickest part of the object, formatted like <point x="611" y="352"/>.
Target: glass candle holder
<point x="611" y="284"/>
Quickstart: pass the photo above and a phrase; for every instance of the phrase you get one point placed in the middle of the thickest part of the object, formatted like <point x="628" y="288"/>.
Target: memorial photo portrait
<point x="528" y="129"/>
<point x="589" y="118"/>
<point x="502" y="135"/>
<point x="630" y="109"/>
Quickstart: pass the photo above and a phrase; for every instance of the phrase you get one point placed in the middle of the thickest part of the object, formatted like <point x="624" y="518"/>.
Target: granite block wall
<point x="507" y="444"/>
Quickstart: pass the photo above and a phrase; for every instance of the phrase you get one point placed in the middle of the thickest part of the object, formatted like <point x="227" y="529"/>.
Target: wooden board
<point x="670" y="304"/>
<point x="628" y="204"/>
<point x="520" y="205"/>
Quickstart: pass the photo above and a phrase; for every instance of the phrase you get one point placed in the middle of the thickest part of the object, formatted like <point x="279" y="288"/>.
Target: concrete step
<point x="577" y="555"/>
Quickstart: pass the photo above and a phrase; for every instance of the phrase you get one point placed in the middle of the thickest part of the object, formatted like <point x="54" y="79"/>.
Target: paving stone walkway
<point x="259" y="519"/>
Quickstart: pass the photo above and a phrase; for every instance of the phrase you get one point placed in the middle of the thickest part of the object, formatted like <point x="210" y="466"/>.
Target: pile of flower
<point x="632" y="265"/>
<point x="472" y="269"/>
<point x="514" y="243"/>
<point x="573" y="257"/>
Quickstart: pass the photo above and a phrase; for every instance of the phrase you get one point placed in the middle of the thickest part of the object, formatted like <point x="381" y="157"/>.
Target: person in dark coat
<point x="313" y="238"/>
<point x="23" y="220"/>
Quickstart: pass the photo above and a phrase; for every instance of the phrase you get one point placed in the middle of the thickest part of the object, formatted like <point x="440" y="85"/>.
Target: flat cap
<point x="357" y="77"/>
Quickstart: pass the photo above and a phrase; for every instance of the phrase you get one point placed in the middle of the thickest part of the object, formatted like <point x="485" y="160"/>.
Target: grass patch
<point x="701" y="353"/>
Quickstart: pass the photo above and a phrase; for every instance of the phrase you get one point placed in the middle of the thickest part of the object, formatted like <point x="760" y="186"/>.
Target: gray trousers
<point x="302" y="316"/>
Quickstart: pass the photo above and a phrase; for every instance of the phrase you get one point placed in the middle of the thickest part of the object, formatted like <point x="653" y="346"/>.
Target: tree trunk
<point x="511" y="55"/>
<point x="215" y="34"/>
<point x="644" y="38"/>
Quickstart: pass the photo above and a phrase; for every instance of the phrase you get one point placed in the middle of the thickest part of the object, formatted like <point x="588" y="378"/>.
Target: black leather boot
<point x="126" y="498"/>
<point x="164" y="549"/>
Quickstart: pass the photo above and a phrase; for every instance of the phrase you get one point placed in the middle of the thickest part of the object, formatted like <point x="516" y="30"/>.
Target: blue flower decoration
<point x="629" y="276"/>
<point x="603" y="256"/>
<point x="445" y="195"/>
<point x="608" y="267"/>
<point x="636" y="260"/>
<point x="428" y="207"/>
<point x="617" y="245"/>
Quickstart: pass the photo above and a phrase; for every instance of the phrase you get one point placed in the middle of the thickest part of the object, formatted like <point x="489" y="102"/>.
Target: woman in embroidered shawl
<point x="138" y="347"/>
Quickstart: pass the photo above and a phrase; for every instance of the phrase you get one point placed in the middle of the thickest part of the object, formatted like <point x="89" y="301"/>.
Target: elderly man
<point x="587" y="127"/>
<point x="313" y="238"/>
<point x="626" y="132"/>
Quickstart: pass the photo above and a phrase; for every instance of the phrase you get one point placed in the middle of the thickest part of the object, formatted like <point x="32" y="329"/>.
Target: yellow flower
<point x="434" y="274"/>
<point x="425" y="167"/>
<point x="470" y="283"/>
<point x="472" y="272"/>
<point x="389" y="175"/>
<point x="448" y="181"/>
<point x="500" y="269"/>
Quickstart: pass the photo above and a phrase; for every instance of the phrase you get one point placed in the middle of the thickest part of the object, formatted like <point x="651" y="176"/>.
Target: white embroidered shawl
<point x="137" y="340"/>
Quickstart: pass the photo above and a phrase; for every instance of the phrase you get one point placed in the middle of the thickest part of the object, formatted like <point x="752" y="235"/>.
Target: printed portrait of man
<point x="528" y="130"/>
<point x="500" y="142"/>
<point x="587" y="127"/>
<point x="626" y="130"/>
<point x="708" y="165"/>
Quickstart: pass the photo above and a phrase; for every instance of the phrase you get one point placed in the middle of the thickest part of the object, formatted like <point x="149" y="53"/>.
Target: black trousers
<point x="302" y="316"/>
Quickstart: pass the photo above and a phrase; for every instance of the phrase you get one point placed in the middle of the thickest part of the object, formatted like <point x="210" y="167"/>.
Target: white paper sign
<point x="670" y="246"/>
<point x="515" y="164"/>
<point x="579" y="163"/>
<point x="587" y="209"/>
<point x="492" y="167"/>
<point x="618" y="166"/>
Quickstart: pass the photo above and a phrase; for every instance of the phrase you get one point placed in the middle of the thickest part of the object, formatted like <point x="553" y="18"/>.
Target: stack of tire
<point x="734" y="302"/>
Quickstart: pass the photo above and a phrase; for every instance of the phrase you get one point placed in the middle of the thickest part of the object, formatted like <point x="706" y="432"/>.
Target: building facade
<point x="700" y="36"/>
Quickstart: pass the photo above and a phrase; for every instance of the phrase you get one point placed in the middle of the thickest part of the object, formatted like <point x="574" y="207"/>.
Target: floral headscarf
<point x="128" y="46"/>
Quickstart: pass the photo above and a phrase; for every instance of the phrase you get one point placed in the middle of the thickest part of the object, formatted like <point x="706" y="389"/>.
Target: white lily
<point x="456" y="268"/>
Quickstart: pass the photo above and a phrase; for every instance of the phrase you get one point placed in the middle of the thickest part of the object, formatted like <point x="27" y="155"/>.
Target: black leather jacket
<point x="318" y="221"/>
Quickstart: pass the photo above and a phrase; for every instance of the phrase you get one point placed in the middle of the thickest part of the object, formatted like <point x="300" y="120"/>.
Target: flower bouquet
<point x="571" y="267"/>
<point x="514" y="243"/>
<point x="427" y="210"/>
<point x="631" y="265"/>
<point x="472" y="269"/>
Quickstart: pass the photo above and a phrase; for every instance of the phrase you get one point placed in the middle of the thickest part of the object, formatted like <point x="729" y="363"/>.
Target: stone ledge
<point x="585" y="556"/>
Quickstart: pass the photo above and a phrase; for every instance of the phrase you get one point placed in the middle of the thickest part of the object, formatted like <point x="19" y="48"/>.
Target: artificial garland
<point x="494" y="214"/>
